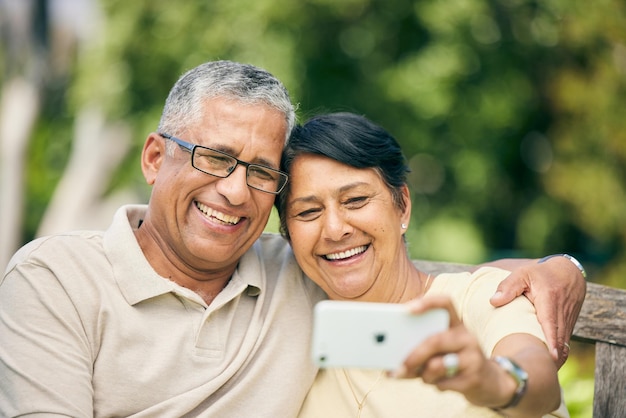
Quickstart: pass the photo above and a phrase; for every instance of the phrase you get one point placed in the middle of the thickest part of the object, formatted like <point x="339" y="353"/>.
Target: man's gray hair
<point x="241" y="82"/>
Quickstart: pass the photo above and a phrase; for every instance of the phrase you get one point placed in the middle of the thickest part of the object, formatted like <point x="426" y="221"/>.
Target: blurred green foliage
<point x="510" y="111"/>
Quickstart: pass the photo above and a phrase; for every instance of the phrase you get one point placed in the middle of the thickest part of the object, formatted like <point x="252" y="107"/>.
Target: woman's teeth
<point x="346" y="254"/>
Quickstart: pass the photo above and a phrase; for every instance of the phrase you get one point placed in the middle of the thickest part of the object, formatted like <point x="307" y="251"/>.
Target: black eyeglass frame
<point x="191" y="148"/>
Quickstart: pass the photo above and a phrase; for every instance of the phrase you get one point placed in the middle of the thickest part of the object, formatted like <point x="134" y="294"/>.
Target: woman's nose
<point x="336" y="226"/>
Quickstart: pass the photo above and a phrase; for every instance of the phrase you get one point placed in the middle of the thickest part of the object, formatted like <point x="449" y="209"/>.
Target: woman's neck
<point x="409" y="283"/>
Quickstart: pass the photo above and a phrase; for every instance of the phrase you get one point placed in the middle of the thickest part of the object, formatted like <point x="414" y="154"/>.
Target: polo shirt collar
<point x="135" y="276"/>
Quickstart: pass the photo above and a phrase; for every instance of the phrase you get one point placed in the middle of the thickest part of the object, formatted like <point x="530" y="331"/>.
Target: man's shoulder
<point x="280" y="266"/>
<point x="273" y="243"/>
<point x="77" y="244"/>
<point x="57" y="245"/>
<point x="272" y="253"/>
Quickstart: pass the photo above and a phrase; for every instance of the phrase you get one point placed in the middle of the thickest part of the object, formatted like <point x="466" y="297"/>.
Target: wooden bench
<point x="602" y="322"/>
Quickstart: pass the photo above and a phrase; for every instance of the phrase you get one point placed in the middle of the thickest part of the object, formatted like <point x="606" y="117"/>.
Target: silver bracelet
<point x="577" y="263"/>
<point x="518" y="374"/>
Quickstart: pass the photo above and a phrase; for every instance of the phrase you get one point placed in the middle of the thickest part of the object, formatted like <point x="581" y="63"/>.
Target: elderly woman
<point x="345" y="213"/>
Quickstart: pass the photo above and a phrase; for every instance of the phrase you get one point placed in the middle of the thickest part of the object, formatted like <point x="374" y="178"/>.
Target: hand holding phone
<point x="370" y="335"/>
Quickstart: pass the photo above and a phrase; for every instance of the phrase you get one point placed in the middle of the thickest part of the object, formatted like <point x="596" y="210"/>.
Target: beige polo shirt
<point x="87" y="328"/>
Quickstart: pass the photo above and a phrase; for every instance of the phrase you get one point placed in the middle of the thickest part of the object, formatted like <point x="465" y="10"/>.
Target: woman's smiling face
<point x="344" y="227"/>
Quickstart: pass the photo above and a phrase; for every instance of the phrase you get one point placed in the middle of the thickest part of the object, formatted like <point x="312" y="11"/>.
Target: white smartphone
<point x="370" y="335"/>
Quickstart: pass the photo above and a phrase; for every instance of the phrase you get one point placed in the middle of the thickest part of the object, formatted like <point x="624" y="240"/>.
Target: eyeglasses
<point x="219" y="164"/>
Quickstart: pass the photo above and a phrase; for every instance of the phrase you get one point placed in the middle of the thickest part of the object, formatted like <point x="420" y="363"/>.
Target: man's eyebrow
<point x="258" y="160"/>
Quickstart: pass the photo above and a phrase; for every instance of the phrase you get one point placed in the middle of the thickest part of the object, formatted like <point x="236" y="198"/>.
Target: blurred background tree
<point x="510" y="111"/>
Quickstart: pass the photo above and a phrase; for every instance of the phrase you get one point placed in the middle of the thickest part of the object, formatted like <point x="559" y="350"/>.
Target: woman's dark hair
<point x="352" y="140"/>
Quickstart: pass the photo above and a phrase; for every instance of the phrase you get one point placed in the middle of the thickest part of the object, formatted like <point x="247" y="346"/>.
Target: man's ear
<point x="152" y="157"/>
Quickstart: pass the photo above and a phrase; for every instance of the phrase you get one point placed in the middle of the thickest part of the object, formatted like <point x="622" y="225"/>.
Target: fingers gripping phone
<point x="370" y="335"/>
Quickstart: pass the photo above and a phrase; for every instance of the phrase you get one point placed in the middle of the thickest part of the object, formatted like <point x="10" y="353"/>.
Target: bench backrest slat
<point x="603" y="315"/>
<point x="602" y="322"/>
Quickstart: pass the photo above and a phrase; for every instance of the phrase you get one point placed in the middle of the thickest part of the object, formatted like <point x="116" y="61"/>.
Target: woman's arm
<point x="542" y="393"/>
<point x="482" y="380"/>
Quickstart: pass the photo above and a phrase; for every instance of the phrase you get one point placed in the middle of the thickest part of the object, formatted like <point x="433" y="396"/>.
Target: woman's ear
<point x="405" y="216"/>
<point x="152" y="156"/>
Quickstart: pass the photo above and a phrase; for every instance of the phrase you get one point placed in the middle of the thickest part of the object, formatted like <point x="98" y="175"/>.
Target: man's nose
<point x="235" y="187"/>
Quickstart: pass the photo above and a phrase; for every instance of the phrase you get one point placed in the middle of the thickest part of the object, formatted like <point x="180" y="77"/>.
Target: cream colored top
<point x="87" y="328"/>
<point x="332" y="397"/>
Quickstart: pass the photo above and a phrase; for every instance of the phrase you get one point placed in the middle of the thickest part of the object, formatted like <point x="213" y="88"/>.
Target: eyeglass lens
<point x="221" y="165"/>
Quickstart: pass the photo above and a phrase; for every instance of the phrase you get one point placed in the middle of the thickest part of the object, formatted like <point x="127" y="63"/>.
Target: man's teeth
<point x="346" y="254"/>
<point x="210" y="213"/>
